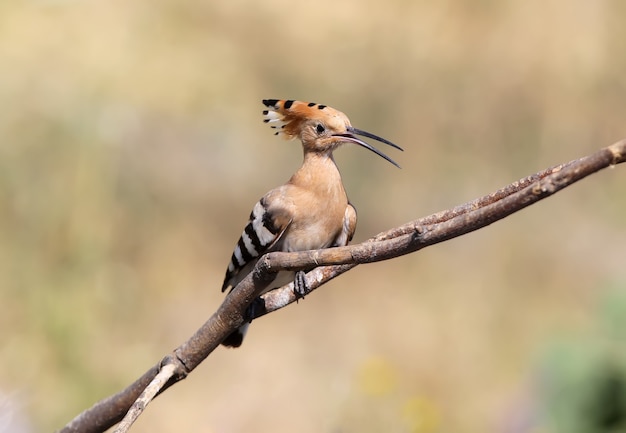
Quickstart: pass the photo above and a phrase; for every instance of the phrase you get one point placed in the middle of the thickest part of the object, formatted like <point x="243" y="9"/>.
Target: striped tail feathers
<point x="261" y="233"/>
<point x="286" y="116"/>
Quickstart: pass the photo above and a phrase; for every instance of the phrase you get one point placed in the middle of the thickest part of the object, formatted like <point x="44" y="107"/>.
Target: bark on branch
<point x="332" y="262"/>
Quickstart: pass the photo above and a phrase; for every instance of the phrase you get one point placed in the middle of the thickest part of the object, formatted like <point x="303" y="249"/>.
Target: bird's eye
<point x="320" y="128"/>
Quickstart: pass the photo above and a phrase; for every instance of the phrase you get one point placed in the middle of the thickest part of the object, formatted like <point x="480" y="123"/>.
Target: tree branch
<point x="332" y="262"/>
<point x="148" y="394"/>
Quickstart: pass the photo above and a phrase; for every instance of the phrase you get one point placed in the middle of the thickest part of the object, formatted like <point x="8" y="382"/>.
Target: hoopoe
<point x="311" y="211"/>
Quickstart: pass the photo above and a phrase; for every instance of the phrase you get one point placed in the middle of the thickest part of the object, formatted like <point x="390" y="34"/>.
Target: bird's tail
<point x="236" y="338"/>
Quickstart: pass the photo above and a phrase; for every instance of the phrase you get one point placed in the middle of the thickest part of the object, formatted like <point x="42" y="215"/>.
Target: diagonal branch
<point x="332" y="262"/>
<point x="435" y="228"/>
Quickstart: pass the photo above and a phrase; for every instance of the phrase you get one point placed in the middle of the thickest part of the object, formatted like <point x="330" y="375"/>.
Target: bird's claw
<point x="300" y="286"/>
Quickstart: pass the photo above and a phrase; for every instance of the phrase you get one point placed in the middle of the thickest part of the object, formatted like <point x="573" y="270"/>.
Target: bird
<point x="311" y="211"/>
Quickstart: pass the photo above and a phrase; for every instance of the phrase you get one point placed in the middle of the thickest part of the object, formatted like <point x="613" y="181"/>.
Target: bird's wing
<point x="268" y="221"/>
<point x="348" y="229"/>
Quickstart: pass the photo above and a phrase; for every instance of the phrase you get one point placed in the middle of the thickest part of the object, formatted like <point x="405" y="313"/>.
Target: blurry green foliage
<point x="584" y="375"/>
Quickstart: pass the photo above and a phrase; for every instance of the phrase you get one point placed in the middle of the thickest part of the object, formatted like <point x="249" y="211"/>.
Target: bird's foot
<point x="300" y="286"/>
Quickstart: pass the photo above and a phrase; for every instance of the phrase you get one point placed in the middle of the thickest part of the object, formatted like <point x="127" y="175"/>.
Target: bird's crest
<point x="286" y="116"/>
<point x="320" y="127"/>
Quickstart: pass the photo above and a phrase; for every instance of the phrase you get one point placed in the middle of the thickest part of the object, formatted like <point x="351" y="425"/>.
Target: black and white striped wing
<point x="261" y="233"/>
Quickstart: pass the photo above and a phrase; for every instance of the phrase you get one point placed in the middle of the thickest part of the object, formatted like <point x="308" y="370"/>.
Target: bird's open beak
<point x="350" y="136"/>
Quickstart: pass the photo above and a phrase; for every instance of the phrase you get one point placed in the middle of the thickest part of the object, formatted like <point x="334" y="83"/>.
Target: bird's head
<point x="319" y="127"/>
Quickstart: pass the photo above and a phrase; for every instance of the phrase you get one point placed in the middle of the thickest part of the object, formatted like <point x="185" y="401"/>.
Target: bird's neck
<point x="318" y="172"/>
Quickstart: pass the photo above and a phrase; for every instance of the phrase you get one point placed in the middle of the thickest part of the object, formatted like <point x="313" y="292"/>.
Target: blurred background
<point x="131" y="153"/>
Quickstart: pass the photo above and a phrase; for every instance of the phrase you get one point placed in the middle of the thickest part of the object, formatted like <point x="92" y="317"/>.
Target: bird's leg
<point x="300" y="286"/>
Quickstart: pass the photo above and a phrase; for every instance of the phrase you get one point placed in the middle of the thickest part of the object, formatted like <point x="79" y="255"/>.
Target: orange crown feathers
<point x="288" y="118"/>
<point x="285" y="116"/>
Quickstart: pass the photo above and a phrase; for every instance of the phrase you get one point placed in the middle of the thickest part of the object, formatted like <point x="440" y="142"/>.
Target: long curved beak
<point x="350" y="136"/>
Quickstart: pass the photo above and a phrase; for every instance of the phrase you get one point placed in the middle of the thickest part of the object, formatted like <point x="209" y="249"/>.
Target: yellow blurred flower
<point x="421" y="415"/>
<point x="377" y="377"/>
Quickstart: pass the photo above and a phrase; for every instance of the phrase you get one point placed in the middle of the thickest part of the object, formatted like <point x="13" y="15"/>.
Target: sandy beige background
<point x="132" y="150"/>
